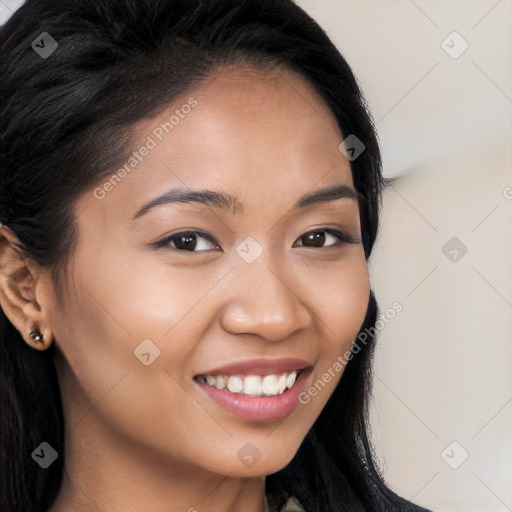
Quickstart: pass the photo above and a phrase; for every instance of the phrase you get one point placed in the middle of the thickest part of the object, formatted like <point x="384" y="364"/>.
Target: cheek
<point x="116" y="306"/>
<point x="341" y="302"/>
<point x="341" y="308"/>
<point x="98" y="331"/>
<point x="151" y="296"/>
<point x="95" y="346"/>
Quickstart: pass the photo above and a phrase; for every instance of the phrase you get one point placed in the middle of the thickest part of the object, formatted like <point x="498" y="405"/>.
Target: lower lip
<point x="258" y="408"/>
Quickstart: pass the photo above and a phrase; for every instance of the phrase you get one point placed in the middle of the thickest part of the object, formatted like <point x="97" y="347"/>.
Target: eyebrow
<point x="226" y="201"/>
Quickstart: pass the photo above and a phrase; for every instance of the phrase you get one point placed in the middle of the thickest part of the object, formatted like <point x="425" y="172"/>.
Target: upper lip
<point x="260" y="367"/>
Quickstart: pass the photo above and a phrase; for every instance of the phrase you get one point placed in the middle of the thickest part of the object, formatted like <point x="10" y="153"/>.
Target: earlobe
<point x="18" y="279"/>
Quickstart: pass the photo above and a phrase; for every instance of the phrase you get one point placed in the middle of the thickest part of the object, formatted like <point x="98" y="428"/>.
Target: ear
<point x="23" y="290"/>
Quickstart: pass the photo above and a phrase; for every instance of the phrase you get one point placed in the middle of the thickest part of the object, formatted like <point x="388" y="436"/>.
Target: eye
<point x="318" y="237"/>
<point x="191" y="241"/>
<point x="199" y="241"/>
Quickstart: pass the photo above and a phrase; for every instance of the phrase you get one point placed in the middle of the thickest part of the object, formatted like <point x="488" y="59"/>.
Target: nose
<point x="263" y="303"/>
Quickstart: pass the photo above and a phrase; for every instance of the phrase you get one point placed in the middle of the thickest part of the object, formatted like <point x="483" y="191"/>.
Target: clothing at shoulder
<point x="292" y="505"/>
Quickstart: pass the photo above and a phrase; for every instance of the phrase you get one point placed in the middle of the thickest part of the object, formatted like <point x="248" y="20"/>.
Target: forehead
<point x="259" y="121"/>
<point x="249" y="133"/>
<point x="239" y="100"/>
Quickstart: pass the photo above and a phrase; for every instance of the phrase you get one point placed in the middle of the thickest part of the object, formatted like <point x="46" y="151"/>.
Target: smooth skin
<point x="143" y="437"/>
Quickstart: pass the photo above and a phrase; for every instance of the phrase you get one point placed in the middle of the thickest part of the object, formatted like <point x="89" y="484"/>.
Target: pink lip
<point x="260" y="367"/>
<point x="257" y="408"/>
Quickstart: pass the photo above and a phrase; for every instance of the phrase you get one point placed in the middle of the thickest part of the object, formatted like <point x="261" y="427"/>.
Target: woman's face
<point x="147" y="310"/>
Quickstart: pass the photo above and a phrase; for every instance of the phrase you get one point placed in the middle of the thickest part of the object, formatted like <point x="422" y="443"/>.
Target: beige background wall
<point x="444" y="362"/>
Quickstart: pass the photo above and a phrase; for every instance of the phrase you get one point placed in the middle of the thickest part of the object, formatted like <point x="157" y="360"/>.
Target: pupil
<point x="189" y="242"/>
<point x="316" y="236"/>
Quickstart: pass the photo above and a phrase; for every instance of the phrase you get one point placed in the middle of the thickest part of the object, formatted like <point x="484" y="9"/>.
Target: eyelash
<point x="341" y="235"/>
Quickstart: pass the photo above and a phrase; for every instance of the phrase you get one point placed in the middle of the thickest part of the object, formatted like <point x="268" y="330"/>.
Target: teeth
<point x="235" y="384"/>
<point x="282" y="383"/>
<point x="253" y="385"/>
<point x="290" y="380"/>
<point x="220" y="382"/>
<point x="269" y="385"/>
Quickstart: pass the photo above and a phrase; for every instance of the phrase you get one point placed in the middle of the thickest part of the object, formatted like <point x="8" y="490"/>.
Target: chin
<point x="249" y="462"/>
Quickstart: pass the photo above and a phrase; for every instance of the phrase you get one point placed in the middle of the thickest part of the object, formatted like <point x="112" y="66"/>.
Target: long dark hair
<point x="66" y="120"/>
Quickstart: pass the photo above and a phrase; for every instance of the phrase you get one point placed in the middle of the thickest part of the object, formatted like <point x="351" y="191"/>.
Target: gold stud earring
<point x="37" y="336"/>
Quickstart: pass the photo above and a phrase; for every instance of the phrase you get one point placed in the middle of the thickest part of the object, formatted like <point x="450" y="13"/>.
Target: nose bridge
<point x="263" y="301"/>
